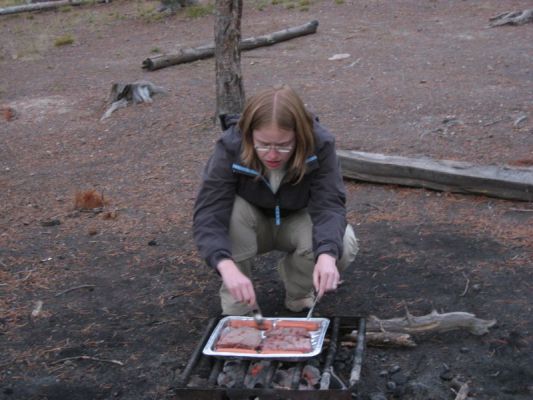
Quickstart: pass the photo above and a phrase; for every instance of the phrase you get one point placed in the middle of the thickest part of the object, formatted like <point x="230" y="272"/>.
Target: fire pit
<point x="333" y="374"/>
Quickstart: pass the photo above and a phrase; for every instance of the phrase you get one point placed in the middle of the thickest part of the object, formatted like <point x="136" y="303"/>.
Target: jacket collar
<point x="312" y="164"/>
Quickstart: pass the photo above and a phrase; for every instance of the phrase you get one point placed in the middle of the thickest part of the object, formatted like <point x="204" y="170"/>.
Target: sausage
<point x="283" y="352"/>
<point x="239" y="323"/>
<point x="308" y="325"/>
<point x="235" y="350"/>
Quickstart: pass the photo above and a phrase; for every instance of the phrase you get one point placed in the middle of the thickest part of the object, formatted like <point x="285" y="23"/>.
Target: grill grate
<point x="252" y="379"/>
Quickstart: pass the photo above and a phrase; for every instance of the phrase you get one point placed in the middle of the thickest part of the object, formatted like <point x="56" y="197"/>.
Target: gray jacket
<point x="321" y="191"/>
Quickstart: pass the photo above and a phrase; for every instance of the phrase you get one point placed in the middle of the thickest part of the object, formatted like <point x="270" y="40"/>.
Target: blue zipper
<point x="252" y="172"/>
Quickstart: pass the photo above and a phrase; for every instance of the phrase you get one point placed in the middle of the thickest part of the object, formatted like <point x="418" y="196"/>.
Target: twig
<point x="493" y="122"/>
<point x="74" y="288"/>
<point x="27" y="277"/>
<point x="165" y="321"/>
<point x="37" y="309"/>
<point x="88" y="358"/>
<point x="466" y="286"/>
<point x="522" y="209"/>
<point x="2" y="264"/>
<point x="462" y="394"/>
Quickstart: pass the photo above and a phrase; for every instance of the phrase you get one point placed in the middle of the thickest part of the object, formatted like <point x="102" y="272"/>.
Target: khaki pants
<point x="253" y="233"/>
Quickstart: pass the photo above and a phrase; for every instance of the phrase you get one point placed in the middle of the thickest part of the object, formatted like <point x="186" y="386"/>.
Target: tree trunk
<point x="229" y="87"/>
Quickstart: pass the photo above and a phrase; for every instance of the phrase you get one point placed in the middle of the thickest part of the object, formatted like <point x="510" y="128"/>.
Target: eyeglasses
<point x="279" y="149"/>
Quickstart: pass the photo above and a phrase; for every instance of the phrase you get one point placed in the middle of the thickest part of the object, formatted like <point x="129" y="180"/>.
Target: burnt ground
<point x="414" y="66"/>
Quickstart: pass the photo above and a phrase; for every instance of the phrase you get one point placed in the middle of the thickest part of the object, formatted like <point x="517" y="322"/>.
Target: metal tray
<point x="317" y="339"/>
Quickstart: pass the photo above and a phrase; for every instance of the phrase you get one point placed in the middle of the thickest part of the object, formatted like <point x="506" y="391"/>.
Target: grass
<point x="64" y="40"/>
<point x="199" y="10"/>
<point x="65" y="9"/>
<point x="36" y="33"/>
<point x="302" y="5"/>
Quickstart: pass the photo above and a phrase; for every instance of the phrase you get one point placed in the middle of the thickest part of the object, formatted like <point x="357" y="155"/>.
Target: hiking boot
<point x="297" y="305"/>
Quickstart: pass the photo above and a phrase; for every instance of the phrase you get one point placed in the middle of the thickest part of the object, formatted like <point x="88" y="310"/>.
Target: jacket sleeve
<point x="327" y="203"/>
<point x="213" y="206"/>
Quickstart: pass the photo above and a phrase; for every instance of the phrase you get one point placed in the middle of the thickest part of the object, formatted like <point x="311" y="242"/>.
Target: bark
<point x="432" y="322"/>
<point x="46" y="6"/>
<point x="506" y="182"/>
<point x="208" y="50"/>
<point x="230" y="91"/>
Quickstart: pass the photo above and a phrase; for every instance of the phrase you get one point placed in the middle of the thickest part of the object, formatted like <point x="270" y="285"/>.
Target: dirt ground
<point x="126" y="287"/>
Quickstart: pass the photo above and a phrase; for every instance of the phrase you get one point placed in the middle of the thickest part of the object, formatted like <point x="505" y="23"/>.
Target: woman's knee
<point x="350" y="248"/>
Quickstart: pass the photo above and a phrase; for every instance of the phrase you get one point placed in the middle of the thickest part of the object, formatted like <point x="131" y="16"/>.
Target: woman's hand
<point x="325" y="275"/>
<point x="238" y="284"/>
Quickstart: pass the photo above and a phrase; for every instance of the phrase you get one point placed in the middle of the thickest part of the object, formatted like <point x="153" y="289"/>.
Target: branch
<point x="433" y="322"/>
<point x="74" y="288"/>
<point x="466" y="285"/>
<point x="382" y="339"/>
<point x="512" y="18"/>
<point x="206" y="51"/>
<point x="462" y="393"/>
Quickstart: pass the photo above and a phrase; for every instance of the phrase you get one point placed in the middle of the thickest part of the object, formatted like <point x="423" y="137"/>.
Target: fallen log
<point x="512" y="18"/>
<point x="48" y="5"/>
<point x="206" y="51"/>
<point x="432" y="322"/>
<point x="515" y="183"/>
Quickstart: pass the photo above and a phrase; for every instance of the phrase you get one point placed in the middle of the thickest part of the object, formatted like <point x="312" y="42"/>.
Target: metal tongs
<point x="312" y="307"/>
<point x="258" y="315"/>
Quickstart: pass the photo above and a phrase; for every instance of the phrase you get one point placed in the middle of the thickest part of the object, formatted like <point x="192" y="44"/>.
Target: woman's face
<point x="274" y="146"/>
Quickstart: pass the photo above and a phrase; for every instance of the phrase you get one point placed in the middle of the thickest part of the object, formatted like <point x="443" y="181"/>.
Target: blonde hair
<point x="282" y="107"/>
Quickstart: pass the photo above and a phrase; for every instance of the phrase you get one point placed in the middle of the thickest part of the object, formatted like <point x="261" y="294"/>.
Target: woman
<point x="273" y="183"/>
